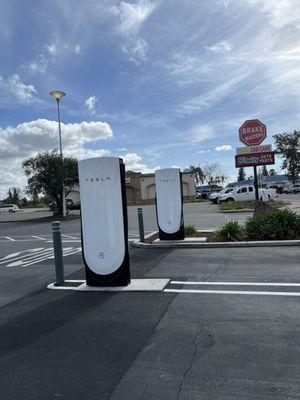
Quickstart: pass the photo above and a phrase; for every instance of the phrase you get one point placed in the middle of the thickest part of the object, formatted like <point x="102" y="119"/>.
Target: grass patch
<point x="241" y="205"/>
<point x="276" y="225"/>
<point x="190" y="230"/>
<point x="231" y="231"/>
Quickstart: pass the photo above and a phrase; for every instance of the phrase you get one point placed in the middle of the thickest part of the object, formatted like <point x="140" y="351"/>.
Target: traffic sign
<point x="252" y="132"/>
<point x="255" y="159"/>
<point x="262" y="148"/>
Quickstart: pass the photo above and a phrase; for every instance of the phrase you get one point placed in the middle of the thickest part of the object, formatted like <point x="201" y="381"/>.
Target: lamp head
<point x="57" y="94"/>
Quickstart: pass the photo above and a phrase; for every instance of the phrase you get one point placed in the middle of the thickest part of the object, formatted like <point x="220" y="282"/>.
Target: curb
<point x="243" y="210"/>
<point x="215" y="245"/>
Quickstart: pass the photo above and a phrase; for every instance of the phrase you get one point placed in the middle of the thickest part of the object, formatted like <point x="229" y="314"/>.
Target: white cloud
<point x="90" y="103"/>
<point x="201" y="152"/>
<point x="201" y="133"/>
<point x="52" y="49"/>
<point x="77" y="49"/>
<point x="133" y="163"/>
<point x="39" y="65"/>
<point x="220" y="47"/>
<point x="133" y="15"/>
<point x="224" y="147"/>
<point x="28" y="138"/>
<point x="62" y="47"/>
<point x="14" y="87"/>
<point x="211" y="97"/>
<point x="136" y="50"/>
<point x="281" y="13"/>
<point x="41" y="135"/>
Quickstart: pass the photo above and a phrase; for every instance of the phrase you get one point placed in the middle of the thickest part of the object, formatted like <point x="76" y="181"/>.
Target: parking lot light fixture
<point x="57" y="95"/>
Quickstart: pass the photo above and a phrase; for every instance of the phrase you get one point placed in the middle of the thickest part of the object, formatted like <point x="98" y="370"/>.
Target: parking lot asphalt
<point x="194" y="340"/>
<point x="204" y="215"/>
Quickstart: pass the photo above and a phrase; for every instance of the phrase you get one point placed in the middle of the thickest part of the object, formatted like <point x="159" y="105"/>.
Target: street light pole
<point x="57" y="96"/>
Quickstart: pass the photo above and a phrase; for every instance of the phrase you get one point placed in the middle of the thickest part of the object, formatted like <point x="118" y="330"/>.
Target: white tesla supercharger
<point x="104" y="225"/>
<point x="169" y="208"/>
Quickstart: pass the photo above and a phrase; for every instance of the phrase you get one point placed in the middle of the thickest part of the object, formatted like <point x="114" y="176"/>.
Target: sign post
<point x="252" y="133"/>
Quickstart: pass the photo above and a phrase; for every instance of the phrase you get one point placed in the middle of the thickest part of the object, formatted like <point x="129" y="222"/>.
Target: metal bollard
<point x="58" y="253"/>
<point x="141" y="225"/>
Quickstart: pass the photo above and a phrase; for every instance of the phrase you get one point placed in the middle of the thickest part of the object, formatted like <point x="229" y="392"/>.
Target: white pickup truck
<point x="246" y="193"/>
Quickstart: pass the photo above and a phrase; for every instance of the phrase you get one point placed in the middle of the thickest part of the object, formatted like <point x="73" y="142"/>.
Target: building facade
<point x="146" y="185"/>
<point x="140" y="188"/>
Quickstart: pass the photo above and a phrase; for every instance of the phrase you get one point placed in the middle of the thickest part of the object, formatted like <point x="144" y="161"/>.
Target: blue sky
<point x="159" y="82"/>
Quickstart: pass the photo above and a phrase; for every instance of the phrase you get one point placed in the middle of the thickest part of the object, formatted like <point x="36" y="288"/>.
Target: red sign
<point x="252" y="132"/>
<point x="252" y="160"/>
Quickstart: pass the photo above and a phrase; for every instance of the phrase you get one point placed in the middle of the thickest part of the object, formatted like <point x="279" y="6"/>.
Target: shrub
<point x="190" y="230"/>
<point x="279" y="224"/>
<point x="232" y="230"/>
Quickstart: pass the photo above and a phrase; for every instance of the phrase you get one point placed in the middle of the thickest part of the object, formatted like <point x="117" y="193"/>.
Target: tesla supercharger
<point x="169" y="207"/>
<point x="104" y="226"/>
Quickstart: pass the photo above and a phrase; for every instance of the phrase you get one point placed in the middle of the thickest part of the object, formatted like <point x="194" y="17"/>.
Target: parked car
<point x="214" y="196"/>
<point x="246" y="193"/>
<point x="204" y="191"/>
<point x="75" y="206"/>
<point x="292" y="189"/>
<point x="11" y="208"/>
<point x="69" y="204"/>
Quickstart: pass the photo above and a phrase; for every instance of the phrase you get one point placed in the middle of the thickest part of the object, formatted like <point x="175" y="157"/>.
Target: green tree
<point x="16" y="195"/>
<point x="24" y="202"/>
<point x="272" y="172"/>
<point x="13" y="195"/>
<point x="44" y="173"/>
<point x="9" y="198"/>
<point x="198" y="173"/>
<point x="264" y="171"/>
<point x="288" y="148"/>
<point x="241" y="174"/>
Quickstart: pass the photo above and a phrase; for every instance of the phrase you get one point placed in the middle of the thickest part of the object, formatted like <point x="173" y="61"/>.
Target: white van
<point x="4" y="208"/>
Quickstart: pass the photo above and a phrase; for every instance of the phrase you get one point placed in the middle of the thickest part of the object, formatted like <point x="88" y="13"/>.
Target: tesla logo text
<point x="98" y="179"/>
<point x="167" y="180"/>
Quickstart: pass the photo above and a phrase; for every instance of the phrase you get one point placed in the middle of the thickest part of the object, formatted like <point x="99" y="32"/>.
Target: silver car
<point x="11" y="208"/>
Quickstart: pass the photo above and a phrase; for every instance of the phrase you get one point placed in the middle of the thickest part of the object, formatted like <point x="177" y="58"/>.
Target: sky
<point x="160" y="83"/>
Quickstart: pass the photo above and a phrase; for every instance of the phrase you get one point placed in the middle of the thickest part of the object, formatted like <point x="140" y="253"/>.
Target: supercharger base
<point x="120" y="278"/>
<point x="105" y="232"/>
<point x="179" y="235"/>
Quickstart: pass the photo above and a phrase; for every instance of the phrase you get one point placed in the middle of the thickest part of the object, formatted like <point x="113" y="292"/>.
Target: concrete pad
<point x="186" y="240"/>
<point x="136" y="285"/>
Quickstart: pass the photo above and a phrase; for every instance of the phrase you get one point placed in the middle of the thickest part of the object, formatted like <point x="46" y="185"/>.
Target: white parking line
<point x="9" y="238"/>
<point x="46" y="257"/>
<point x="38" y="237"/>
<point x="295" y="294"/>
<point x="234" y="283"/>
<point x="32" y="256"/>
<point x="70" y="237"/>
<point x="21" y="254"/>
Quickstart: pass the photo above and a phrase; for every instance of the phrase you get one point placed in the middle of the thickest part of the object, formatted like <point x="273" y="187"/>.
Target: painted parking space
<point x="37" y="255"/>
<point x="70" y="237"/>
<point x="36" y="238"/>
